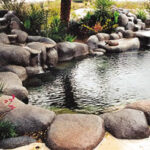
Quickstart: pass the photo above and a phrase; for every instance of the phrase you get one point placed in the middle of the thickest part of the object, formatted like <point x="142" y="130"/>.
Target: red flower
<point x="5" y="101"/>
<point x="12" y="107"/>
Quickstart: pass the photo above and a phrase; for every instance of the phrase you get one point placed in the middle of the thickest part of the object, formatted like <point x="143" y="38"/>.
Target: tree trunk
<point x="65" y="11"/>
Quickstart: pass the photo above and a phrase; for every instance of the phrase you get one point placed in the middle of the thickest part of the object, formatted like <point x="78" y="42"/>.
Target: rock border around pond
<point x="77" y="131"/>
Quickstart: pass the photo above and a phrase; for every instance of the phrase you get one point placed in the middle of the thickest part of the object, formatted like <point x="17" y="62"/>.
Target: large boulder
<point x="27" y="118"/>
<point x="143" y="106"/>
<point x="128" y="34"/>
<point x="4" y="38"/>
<point x="144" y="37"/>
<point x="67" y="50"/>
<point x="92" y="42"/>
<point x="19" y="70"/>
<point x="40" y="39"/>
<point x="52" y="57"/>
<point x="12" y="85"/>
<point x="120" y="29"/>
<point x="16" y="142"/>
<point x="14" y="55"/>
<point x="103" y="36"/>
<point x="37" y="46"/>
<point x="123" y="20"/>
<point x="75" y="132"/>
<point x="127" y="124"/>
<point x="31" y="71"/>
<point x="114" y="36"/>
<point x="21" y="35"/>
<point x="130" y="26"/>
<point x="123" y="45"/>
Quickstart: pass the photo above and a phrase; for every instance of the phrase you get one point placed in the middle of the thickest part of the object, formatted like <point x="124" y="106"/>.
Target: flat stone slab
<point x="127" y="124"/>
<point x="75" y="132"/>
<point x="144" y="37"/>
<point x="124" y="45"/>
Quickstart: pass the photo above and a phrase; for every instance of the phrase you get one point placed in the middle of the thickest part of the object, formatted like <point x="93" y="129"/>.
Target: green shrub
<point x="58" y="31"/>
<point x="141" y="14"/>
<point x="35" y="19"/>
<point x="70" y="38"/>
<point x="7" y="130"/>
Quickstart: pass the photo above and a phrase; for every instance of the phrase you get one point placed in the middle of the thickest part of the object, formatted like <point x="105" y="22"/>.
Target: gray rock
<point x="52" y="57"/>
<point x="144" y="37"/>
<point x="14" y="55"/>
<point x="96" y="53"/>
<point x="137" y="27"/>
<point x="131" y="19"/>
<point x="27" y="118"/>
<point x="100" y="50"/>
<point x="142" y="25"/>
<point x="15" y="25"/>
<point x="120" y="29"/>
<point x="125" y="124"/>
<point x="31" y="71"/>
<point x="130" y="26"/>
<point x="123" y="45"/>
<point x="120" y="35"/>
<point x="147" y="22"/>
<point x="21" y="35"/>
<point x="40" y="39"/>
<point x="103" y="36"/>
<point x="4" y="38"/>
<point x="142" y="106"/>
<point x="16" y="142"/>
<point x="67" y="50"/>
<point x="114" y="36"/>
<point x="37" y="46"/>
<point x="19" y="70"/>
<point x="123" y="20"/>
<point x="92" y="42"/>
<point x="128" y="34"/>
<point x="132" y="15"/>
<point x="75" y="132"/>
<point x="12" y="85"/>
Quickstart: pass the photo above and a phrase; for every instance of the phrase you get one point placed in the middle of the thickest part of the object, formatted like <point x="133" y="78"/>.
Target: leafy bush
<point x="58" y="31"/>
<point x="35" y="19"/>
<point x="7" y="130"/>
<point x="70" y="38"/>
<point x="141" y="14"/>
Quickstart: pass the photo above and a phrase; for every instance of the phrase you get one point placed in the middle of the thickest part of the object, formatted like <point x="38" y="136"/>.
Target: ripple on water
<point x="102" y="81"/>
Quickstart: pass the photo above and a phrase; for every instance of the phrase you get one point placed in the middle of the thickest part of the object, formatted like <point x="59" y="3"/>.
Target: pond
<point x="96" y="84"/>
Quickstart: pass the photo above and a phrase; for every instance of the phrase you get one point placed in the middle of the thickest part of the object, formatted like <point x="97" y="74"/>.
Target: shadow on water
<point x="69" y="101"/>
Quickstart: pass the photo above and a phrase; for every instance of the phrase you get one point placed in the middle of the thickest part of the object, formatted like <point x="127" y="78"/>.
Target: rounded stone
<point x="75" y="132"/>
<point x="127" y="124"/>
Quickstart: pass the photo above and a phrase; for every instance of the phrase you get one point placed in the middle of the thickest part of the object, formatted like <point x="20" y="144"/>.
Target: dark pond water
<point x="96" y="83"/>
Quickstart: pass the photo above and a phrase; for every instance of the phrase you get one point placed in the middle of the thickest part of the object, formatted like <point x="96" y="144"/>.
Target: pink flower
<point x="12" y="107"/>
<point x="5" y="101"/>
